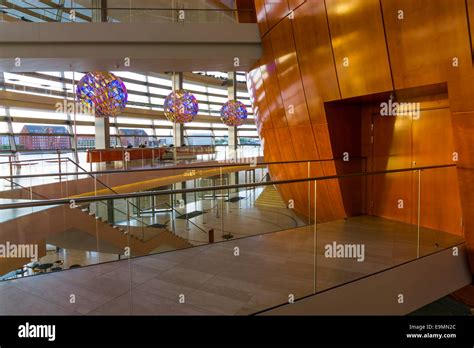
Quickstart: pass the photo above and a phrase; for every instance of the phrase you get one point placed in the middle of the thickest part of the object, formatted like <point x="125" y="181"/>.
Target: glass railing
<point x="23" y="168"/>
<point x="60" y="176"/>
<point x="233" y="248"/>
<point x="15" y="11"/>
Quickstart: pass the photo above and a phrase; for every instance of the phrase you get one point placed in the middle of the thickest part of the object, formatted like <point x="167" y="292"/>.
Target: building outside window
<point x="35" y="137"/>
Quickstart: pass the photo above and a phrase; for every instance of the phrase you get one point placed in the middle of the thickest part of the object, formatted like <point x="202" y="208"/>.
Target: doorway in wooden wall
<point x="420" y="139"/>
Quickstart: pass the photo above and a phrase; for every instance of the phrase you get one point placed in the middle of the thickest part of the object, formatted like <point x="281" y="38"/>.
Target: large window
<point x="135" y="137"/>
<point x="199" y="137"/>
<point x="36" y="130"/>
<point x="33" y="137"/>
<point x="4" y="142"/>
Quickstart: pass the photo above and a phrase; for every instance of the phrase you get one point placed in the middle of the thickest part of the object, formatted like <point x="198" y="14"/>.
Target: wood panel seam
<point x="281" y="19"/>
<point x="332" y="50"/>
<point x="386" y="44"/>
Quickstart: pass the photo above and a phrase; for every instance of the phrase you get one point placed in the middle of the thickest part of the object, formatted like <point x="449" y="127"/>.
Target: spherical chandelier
<point x="180" y="106"/>
<point x="233" y="113"/>
<point x="103" y="92"/>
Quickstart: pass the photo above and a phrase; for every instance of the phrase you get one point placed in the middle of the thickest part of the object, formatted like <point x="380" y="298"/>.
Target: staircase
<point x="270" y="198"/>
<point x="144" y="238"/>
<point x="40" y="225"/>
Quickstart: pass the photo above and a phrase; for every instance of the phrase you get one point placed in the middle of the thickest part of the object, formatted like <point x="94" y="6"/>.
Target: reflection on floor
<point x="60" y="259"/>
<point x="240" y="276"/>
<point x="70" y="257"/>
<point x="241" y="218"/>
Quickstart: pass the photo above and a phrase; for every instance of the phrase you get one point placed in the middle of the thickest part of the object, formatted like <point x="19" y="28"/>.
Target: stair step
<point x="270" y="198"/>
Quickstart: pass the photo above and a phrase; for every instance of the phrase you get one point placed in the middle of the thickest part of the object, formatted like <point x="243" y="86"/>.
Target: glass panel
<point x="289" y="242"/>
<point x="440" y="215"/>
<point x="42" y="141"/>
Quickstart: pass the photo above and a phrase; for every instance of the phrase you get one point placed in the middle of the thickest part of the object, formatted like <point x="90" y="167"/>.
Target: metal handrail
<point x="18" y="8"/>
<point x="91" y="175"/>
<point x="209" y="188"/>
<point x="263" y="178"/>
<point x="50" y="11"/>
<point x="102" y="183"/>
<point x="124" y="213"/>
<point x="181" y="214"/>
<point x="29" y="160"/>
<point x="66" y="159"/>
<point x="30" y="190"/>
<point x="184" y="166"/>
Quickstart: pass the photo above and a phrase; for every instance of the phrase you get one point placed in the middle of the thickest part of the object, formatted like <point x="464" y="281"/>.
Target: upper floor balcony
<point x="121" y="11"/>
<point x="138" y="36"/>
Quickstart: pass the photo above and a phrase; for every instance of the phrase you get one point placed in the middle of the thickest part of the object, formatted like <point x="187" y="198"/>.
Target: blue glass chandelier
<point x="233" y="113"/>
<point x="103" y="92"/>
<point x="180" y="106"/>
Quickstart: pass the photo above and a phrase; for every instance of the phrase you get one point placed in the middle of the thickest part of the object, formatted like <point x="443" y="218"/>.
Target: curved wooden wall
<point x="326" y="66"/>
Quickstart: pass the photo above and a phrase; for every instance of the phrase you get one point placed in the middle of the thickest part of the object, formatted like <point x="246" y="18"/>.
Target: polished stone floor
<point x="240" y="276"/>
<point x="239" y="219"/>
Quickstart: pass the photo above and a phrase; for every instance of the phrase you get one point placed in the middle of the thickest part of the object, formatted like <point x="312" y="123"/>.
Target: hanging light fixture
<point x="181" y="106"/>
<point x="233" y="113"/>
<point x="103" y="92"/>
